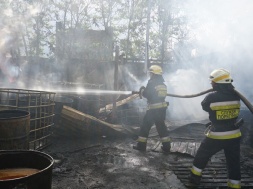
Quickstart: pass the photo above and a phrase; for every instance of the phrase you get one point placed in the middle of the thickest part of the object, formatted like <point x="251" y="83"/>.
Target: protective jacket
<point x="156" y="92"/>
<point x="223" y="107"/>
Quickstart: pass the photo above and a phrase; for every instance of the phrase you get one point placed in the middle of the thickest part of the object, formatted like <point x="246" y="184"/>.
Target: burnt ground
<point x="110" y="162"/>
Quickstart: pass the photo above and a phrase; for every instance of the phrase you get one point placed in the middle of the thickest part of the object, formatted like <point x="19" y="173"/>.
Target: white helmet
<point x="221" y="76"/>
<point x="155" y="69"/>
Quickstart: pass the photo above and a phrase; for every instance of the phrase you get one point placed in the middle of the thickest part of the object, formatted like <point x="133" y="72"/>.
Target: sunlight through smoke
<point x="185" y="82"/>
<point x="90" y="91"/>
<point x="220" y="35"/>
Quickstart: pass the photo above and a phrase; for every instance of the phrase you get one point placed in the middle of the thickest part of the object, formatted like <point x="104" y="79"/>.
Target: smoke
<point x="220" y="37"/>
<point x="185" y="82"/>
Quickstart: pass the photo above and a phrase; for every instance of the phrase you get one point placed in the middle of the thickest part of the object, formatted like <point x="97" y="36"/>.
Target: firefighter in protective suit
<point x="155" y="92"/>
<point x="223" y="106"/>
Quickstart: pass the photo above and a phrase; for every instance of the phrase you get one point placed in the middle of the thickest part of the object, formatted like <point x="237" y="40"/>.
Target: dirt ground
<point x="111" y="163"/>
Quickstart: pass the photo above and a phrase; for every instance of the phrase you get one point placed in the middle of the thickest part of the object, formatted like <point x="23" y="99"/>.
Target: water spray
<point x="93" y="92"/>
<point x="112" y="92"/>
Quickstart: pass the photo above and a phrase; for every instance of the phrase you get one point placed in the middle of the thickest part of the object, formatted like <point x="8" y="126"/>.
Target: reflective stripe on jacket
<point x="224" y="135"/>
<point x="165" y="139"/>
<point x="156" y="90"/>
<point x="226" y="110"/>
<point x="161" y="90"/>
<point x="157" y="105"/>
<point x="142" y="139"/>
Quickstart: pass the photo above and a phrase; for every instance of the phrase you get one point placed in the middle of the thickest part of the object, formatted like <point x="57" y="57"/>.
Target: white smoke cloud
<point x="185" y="82"/>
<point x="221" y="38"/>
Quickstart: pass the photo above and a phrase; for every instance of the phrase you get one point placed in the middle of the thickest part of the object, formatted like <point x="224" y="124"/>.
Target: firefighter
<point x="223" y="107"/>
<point x="155" y="92"/>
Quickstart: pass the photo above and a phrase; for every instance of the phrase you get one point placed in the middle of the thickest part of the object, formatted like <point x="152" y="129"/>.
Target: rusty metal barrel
<point x="14" y="129"/>
<point x="25" y="169"/>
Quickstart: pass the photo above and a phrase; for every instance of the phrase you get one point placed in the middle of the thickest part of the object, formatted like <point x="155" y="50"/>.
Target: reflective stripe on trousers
<point x="165" y="139"/>
<point x="142" y="139"/>
<point x="196" y="171"/>
<point x="234" y="183"/>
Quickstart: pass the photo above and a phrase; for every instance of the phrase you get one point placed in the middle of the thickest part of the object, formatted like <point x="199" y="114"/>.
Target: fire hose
<point x="179" y="96"/>
<point x="244" y="100"/>
<point x="190" y="96"/>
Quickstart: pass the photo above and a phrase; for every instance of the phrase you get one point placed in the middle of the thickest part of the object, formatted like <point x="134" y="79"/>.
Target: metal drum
<point x="14" y="129"/>
<point x="25" y="169"/>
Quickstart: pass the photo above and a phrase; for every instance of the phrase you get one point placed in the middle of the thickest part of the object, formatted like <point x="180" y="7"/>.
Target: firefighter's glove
<point x="141" y="91"/>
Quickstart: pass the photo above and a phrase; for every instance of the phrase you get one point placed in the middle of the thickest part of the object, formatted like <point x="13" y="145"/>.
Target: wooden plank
<point x="87" y="124"/>
<point x="82" y="117"/>
<point x="119" y="103"/>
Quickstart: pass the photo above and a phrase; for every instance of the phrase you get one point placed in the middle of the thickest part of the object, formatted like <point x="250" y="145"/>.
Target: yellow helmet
<point x="221" y="76"/>
<point x="156" y="70"/>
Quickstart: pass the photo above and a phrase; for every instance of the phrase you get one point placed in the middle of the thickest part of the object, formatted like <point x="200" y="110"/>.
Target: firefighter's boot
<point x="141" y="146"/>
<point x="194" y="179"/>
<point x="166" y="147"/>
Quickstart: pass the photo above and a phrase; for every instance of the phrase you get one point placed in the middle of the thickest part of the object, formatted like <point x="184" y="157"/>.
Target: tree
<point x="126" y="18"/>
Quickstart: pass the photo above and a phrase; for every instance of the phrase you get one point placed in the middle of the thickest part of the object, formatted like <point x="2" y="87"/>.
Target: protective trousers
<point x="157" y="117"/>
<point x="231" y="148"/>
